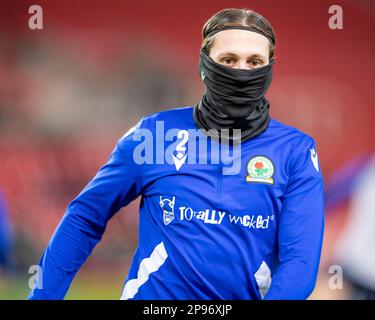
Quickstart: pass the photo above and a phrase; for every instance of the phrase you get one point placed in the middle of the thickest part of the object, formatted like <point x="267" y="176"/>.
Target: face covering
<point x="233" y="99"/>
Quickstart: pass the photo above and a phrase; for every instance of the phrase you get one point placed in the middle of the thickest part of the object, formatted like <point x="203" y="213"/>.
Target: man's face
<point x="240" y="49"/>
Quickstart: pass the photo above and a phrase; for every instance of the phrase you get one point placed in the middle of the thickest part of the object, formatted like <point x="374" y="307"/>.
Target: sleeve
<point x="115" y="185"/>
<point x="300" y="229"/>
<point x="5" y="233"/>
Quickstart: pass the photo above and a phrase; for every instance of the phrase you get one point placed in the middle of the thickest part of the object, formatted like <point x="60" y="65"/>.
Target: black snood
<point x="233" y="99"/>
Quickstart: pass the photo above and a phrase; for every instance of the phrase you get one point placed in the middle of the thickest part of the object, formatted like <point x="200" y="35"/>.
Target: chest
<point x="248" y="178"/>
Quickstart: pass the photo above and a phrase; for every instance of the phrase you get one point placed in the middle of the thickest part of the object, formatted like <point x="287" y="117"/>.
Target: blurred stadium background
<point x="69" y="91"/>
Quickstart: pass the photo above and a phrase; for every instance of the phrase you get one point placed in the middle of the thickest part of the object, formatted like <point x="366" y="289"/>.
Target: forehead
<point x="240" y="42"/>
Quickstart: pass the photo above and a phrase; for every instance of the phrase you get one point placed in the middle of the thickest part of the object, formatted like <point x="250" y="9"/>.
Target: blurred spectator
<point x="354" y="250"/>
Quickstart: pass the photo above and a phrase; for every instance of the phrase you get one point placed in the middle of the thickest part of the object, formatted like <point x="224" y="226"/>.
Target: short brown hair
<point x="237" y="17"/>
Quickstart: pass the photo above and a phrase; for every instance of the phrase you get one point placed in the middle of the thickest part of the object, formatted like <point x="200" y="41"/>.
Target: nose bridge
<point x="242" y="64"/>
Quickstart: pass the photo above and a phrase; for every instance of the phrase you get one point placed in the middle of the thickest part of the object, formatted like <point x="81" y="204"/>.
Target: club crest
<point x="260" y="169"/>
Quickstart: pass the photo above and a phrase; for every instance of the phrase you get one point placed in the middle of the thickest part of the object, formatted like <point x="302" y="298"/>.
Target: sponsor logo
<point x="212" y="216"/>
<point x="252" y="221"/>
<point x="208" y="216"/>
<point x="260" y="169"/>
<point x="167" y="206"/>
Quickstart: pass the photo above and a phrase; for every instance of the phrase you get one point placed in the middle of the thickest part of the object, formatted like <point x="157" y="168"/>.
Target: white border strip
<point x="146" y="267"/>
<point x="263" y="279"/>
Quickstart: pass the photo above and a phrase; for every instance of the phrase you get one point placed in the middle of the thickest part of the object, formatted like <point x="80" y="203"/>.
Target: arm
<point x="115" y="185"/>
<point x="5" y="234"/>
<point x="300" y="230"/>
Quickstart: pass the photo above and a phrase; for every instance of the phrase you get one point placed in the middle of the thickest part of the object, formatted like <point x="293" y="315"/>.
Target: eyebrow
<point x="255" y="55"/>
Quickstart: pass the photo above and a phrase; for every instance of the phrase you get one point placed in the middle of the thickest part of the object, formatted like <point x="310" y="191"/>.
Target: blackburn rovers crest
<point x="260" y="169"/>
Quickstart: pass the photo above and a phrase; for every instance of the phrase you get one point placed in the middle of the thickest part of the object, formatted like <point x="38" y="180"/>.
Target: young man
<point x="207" y="230"/>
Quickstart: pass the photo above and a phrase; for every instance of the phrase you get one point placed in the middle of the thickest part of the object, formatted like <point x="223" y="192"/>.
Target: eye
<point x="227" y="60"/>
<point x="256" y="63"/>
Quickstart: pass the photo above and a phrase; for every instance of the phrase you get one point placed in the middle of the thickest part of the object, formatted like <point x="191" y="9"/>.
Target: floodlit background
<point x="69" y="92"/>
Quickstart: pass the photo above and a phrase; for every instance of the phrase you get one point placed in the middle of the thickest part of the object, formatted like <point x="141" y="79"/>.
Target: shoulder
<point x="175" y="114"/>
<point x="177" y="117"/>
<point x="290" y="135"/>
<point x="300" y="148"/>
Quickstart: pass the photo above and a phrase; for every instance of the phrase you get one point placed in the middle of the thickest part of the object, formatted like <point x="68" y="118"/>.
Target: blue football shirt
<point x="208" y="229"/>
